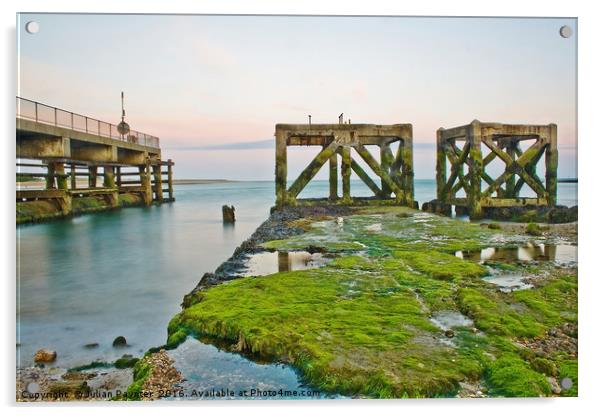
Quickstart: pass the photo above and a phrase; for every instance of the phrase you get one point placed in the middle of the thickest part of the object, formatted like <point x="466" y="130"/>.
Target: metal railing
<point x="45" y="114"/>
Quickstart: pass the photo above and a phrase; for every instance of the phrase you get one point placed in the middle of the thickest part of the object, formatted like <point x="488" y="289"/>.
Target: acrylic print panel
<point x="295" y="207"/>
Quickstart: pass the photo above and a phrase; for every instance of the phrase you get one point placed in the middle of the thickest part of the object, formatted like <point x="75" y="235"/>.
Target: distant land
<point x="202" y="181"/>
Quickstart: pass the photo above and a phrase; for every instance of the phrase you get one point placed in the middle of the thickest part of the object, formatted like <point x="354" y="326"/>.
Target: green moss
<point x="142" y="370"/>
<point x="543" y="365"/>
<point x="94" y="365"/>
<point x="439" y="265"/>
<point x="511" y="376"/>
<point x="568" y="369"/>
<point x="361" y="325"/>
<point x="33" y="211"/>
<point x="533" y="229"/>
<point x="129" y="199"/>
<point x="554" y="302"/>
<point x="494" y="226"/>
<point x="494" y="313"/>
<point x="126" y="362"/>
<point x="87" y="204"/>
<point x="336" y="327"/>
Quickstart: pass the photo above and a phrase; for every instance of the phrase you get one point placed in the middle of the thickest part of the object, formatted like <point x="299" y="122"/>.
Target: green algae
<point x="361" y="325"/>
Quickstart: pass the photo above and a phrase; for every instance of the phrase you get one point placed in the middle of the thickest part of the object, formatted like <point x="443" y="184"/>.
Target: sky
<point x="213" y="87"/>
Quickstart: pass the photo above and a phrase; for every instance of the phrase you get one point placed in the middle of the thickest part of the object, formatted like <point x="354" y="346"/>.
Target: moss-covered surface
<point x="44" y="210"/>
<point x="362" y="325"/>
<point x="38" y="210"/>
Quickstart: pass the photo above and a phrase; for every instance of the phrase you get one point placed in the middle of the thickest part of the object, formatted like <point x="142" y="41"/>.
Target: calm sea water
<point x="124" y="273"/>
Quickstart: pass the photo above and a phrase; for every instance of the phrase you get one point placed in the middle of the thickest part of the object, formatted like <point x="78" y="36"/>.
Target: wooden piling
<point x="158" y="182"/>
<point x="280" y="168"/>
<point x="346" y="173"/>
<point x="552" y="165"/>
<point x="475" y="168"/>
<point x="441" y="167"/>
<point x="170" y="179"/>
<point x="333" y="178"/>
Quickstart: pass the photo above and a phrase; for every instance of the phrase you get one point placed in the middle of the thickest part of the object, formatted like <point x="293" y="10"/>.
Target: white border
<point x="590" y="151"/>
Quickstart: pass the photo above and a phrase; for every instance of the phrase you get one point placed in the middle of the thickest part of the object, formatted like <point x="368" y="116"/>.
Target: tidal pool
<point x="266" y="263"/>
<point x="562" y="254"/>
<point x="210" y="373"/>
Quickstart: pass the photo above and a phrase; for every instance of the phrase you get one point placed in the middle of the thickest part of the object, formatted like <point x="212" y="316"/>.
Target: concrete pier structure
<point x="481" y="144"/>
<point x="395" y="171"/>
<point x="68" y="145"/>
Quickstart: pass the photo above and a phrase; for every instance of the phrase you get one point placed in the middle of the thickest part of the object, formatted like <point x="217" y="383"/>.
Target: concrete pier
<point x="394" y="171"/>
<point x="482" y="143"/>
<point x="68" y="145"/>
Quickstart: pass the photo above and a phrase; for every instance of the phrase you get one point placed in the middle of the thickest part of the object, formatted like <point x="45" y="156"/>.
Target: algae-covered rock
<point x="120" y="341"/>
<point x="44" y="356"/>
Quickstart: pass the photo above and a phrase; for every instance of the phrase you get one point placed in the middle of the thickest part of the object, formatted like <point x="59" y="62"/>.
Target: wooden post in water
<point x="158" y="182"/>
<point x="170" y="179"/>
<point x="145" y="181"/>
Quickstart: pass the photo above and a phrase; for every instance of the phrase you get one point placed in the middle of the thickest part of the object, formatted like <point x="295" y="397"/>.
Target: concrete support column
<point x="385" y="165"/>
<point x="552" y="166"/>
<point x="170" y="179"/>
<point x="158" y="182"/>
<point x="333" y="177"/>
<point x="61" y="177"/>
<point x="73" y="177"/>
<point x="346" y="173"/>
<point x="475" y="169"/>
<point x="92" y="176"/>
<point x="407" y="170"/>
<point x="109" y="177"/>
<point x="145" y="182"/>
<point x="441" y="168"/>
<point x="280" y="169"/>
<point x="50" y="171"/>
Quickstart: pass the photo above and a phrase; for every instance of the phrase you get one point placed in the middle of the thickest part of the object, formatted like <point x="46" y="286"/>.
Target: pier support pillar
<point x="280" y="168"/>
<point x="92" y="176"/>
<point x="475" y="170"/>
<point x="50" y="176"/>
<point x="109" y="177"/>
<point x="145" y="182"/>
<point x="61" y="177"/>
<point x="73" y="177"/>
<point x="441" y="168"/>
<point x="552" y="166"/>
<point x="333" y="178"/>
<point x="170" y="179"/>
<point x="158" y="182"/>
<point x="346" y="173"/>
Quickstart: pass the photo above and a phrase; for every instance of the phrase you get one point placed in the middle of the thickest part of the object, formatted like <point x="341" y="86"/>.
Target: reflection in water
<point x="562" y="254"/>
<point x="448" y="319"/>
<point x="266" y="263"/>
<point x="209" y="371"/>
